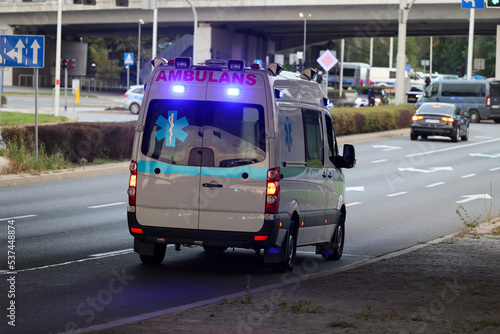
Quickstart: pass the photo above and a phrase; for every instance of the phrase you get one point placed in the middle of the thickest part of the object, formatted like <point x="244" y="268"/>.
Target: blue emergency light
<point x="182" y="62"/>
<point x="179" y="89"/>
<point x="233" y="91"/>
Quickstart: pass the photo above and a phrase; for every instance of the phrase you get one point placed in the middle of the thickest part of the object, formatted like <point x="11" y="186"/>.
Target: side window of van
<point x="314" y="138"/>
<point x="432" y="90"/>
<point x="332" y="144"/>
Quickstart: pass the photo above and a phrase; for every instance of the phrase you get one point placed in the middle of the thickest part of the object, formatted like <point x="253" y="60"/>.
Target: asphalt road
<point x="75" y="265"/>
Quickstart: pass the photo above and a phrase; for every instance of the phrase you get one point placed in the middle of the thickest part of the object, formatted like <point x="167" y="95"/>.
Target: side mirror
<point x="349" y="156"/>
<point x="348" y="160"/>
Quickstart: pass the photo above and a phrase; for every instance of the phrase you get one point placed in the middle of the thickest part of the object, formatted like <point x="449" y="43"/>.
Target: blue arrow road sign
<point x="22" y="51"/>
<point x="470" y="4"/>
<point x="128" y="59"/>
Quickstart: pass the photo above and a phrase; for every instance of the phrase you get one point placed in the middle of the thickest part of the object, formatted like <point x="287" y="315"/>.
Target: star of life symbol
<point x="288" y="134"/>
<point x="171" y="128"/>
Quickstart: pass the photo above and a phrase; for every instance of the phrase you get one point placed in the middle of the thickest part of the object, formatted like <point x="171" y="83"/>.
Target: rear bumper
<point x="433" y="131"/>
<point x="270" y="229"/>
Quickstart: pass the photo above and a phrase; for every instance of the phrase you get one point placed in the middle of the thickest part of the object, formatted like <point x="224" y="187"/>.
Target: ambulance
<point x="229" y="156"/>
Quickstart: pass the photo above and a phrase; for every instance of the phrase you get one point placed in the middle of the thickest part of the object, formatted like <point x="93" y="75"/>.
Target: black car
<point x="440" y="119"/>
<point x="416" y="91"/>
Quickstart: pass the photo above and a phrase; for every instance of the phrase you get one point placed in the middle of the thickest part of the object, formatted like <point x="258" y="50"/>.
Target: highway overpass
<point x="247" y="29"/>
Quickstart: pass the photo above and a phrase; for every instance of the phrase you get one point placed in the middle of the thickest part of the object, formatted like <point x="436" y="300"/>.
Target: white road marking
<point x="493" y="156"/>
<point x="362" y="188"/>
<point x="397" y="194"/>
<point x="430" y="170"/>
<point x="469" y="198"/>
<point x="468" y="175"/>
<point x="118" y="252"/>
<point x="18" y="217"/>
<point x="494" y="169"/>
<point x="386" y="148"/>
<point x="451" y="148"/>
<point x="352" y="204"/>
<point x="378" y="161"/>
<point x="105" y="205"/>
<point x="434" y="184"/>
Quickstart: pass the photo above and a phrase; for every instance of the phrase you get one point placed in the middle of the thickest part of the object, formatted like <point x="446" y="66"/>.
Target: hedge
<point x="348" y="120"/>
<point x="77" y="141"/>
<point x="89" y="141"/>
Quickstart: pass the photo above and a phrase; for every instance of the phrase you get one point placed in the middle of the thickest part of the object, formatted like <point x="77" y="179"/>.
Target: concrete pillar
<point x="204" y="41"/>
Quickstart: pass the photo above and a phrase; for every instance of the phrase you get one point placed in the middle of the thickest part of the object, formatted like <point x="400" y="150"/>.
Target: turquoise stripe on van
<point x="259" y="173"/>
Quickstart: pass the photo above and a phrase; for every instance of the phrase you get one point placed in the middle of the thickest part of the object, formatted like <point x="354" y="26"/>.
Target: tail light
<point x="488" y="101"/>
<point x="416" y="118"/>
<point x="126" y="95"/>
<point x="132" y="183"/>
<point x="448" y="119"/>
<point x="273" y="190"/>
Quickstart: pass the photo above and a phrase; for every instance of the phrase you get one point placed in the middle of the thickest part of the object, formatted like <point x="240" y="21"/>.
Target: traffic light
<point x="64" y="63"/>
<point x="72" y="64"/>
<point x="122" y="3"/>
<point x="493" y="3"/>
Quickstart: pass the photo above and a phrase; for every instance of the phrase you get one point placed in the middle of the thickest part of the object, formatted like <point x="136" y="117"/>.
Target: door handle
<point x="212" y="185"/>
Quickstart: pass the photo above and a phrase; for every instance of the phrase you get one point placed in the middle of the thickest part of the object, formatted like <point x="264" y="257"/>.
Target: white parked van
<point x="231" y="156"/>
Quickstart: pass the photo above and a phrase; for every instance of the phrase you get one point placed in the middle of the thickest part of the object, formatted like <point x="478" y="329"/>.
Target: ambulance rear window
<point x="204" y="133"/>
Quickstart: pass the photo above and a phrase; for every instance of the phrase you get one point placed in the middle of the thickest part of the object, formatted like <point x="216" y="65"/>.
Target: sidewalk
<point x="450" y="285"/>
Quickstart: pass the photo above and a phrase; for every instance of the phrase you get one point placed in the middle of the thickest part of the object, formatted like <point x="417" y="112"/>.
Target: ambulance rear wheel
<point x="289" y="248"/>
<point x="157" y="257"/>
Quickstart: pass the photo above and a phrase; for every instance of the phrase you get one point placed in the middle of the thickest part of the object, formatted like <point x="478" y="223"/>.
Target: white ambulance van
<point x="229" y="156"/>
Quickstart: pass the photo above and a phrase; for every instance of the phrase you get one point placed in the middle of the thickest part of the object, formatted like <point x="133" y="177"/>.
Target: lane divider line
<point x="105" y="205"/>
<point x="451" y="148"/>
<point x="434" y="184"/>
<point x="352" y="204"/>
<point x="397" y="194"/>
<point x="18" y="217"/>
<point x="468" y="175"/>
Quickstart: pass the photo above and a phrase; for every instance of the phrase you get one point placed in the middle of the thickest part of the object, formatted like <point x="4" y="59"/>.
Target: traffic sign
<point x="493" y="3"/>
<point x="327" y="60"/>
<point x="473" y="4"/>
<point x="22" y="51"/>
<point x="128" y="59"/>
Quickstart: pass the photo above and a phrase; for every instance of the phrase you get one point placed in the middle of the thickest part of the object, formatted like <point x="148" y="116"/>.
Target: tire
<point x="413" y="136"/>
<point x="157" y="257"/>
<point x="290" y="252"/>
<point x="466" y="137"/>
<point x="455" y="137"/>
<point x="337" y="243"/>
<point x="134" y="108"/>
<point x="424" y="137"/>
<point x="214" y="250"/>
<point x="474" y="117"/>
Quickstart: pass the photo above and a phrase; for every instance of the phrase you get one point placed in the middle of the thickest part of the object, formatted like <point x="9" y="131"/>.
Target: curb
<point x="112" y="168"/>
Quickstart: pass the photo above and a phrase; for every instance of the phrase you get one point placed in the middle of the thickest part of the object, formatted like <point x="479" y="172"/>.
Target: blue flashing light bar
<point x="179" y="89"/>
<point x="273" y="250"/>
<point x="233" y="91"/>
<point x="278" y="94"/>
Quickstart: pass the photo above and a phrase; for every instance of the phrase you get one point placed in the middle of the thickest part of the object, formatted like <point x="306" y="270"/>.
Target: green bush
<point x="77" y="141"/>
<point x="4" y="100"/>
<point x="348" y="120"/>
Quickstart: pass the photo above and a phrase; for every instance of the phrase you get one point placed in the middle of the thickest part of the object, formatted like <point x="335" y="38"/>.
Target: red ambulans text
<point x="207" y="76"/>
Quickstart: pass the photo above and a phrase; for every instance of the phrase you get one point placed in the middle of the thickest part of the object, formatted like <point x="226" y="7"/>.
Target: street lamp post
<point x="305" y="16"/>
<point x="141" y="22"/>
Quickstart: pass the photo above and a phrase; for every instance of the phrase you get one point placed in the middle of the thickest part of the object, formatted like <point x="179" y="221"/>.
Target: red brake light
<point x="416" y="118"/>
<point x="126" y="95"/>
<point x="260" y="237"/>
<point x="448" y="119"/>
<point x="132" y="183"/>
<point x="273" y="190"/>
<point x="488" y="101"/>
<point x="136" y="230"/>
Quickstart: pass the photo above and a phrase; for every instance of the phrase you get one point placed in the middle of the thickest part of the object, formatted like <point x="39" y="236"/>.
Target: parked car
<point x="440" y="119"/>
<point x="445" y="77"/>
<point x="416" y="91"/>
<point x="133" y="98"/>
<point x="361" y="99"/>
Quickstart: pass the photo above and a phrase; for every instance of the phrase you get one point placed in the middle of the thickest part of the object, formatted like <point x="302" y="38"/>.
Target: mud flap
<point x="276" y="254"/>
<point x="144" y="248"/>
